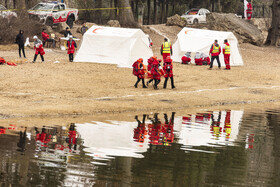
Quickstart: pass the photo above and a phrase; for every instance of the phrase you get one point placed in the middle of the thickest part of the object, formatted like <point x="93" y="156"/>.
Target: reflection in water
<point x="215" y="148"/>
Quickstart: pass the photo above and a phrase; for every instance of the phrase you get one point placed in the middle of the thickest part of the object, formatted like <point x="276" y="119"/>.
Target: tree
<point x="273" y="37"/>
<point x="155" y="12"/>
<point x="149" y="11"/>
<point x="125" y="16"/>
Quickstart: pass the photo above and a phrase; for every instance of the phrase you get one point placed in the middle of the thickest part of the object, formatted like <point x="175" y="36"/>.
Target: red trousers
<point x="249" y="15"/>
<point x="164" y="55"/>
<point x="226" y="58"/>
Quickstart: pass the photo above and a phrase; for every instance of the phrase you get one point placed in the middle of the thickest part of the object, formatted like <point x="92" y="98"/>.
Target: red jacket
<point x="45" y="36"/>
<point x="168" y="68"/>
<point x="211" y="49"/>
<point x="249" y="7"/>
<point x="39" y="50"/>
<point x="71" y="48"/>
<point x="156" y="70"/>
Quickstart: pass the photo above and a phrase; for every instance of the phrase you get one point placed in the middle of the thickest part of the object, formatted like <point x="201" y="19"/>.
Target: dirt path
<point x="78" y="89"/>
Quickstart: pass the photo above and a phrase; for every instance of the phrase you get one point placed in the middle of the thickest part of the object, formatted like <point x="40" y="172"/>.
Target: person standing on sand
<point x="20" y="42"/>
<point x="139" y="70"/>
<point x="38" y="47"/>
<point x="168" y="70"/>
<point x="226" y="52"/>
<point x="71" y="45"/>
<point x="156" y="72"/>
<point x="166" y="49"/>
<point x="215" y="51"/>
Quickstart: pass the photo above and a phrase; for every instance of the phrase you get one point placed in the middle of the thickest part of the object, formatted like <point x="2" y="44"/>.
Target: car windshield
<point x="192" y="12"/>
<point x="2" y="7"/>
<point x="43" y="7"/>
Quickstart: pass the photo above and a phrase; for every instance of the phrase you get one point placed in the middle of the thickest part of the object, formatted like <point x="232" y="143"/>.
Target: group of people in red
<point x="160" y="133"/>
<point x="40" y="44"/>
<point x="154" y="71"/>
<point x="215" y="51"/>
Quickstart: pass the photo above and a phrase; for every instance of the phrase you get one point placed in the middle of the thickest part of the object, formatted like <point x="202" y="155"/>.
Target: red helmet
<point x="168" y="59"/>
<point x="140" y="60"/>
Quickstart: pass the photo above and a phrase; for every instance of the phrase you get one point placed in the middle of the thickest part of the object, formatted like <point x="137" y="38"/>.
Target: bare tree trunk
<point x="125" y="15"/>
<point x="133" y="7"/>
<point x="149" y="11"/>
<point x="155" y="11"/>
<point x="273" y="37"/>
<point x="219" y="6"/>
<point x="166" y="10"/>
<point x="115" y="6"/>
<point x="111" y="11"/>
<point x="173" y="7"/>
<point x="162" y="11"/>
<point x="98" y="13"/>
<point x="213" y="5"/>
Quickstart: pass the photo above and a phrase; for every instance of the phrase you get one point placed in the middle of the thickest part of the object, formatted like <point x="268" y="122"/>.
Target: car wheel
<point x="70" y="22"/>
<point x="195" y="21"/>
<point x="49" y="22"/>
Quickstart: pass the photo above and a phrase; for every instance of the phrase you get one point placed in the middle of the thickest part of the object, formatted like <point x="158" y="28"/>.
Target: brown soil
<point x="77" y="90"/>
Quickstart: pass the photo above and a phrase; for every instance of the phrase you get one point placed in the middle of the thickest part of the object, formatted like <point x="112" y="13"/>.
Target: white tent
<point x="199" y="40"/>
<point x="112" y="45"/>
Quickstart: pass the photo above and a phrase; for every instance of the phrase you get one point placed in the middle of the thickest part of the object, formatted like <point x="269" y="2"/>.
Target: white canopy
<point x="199" y="40"/>
<point x="112" y="45"/>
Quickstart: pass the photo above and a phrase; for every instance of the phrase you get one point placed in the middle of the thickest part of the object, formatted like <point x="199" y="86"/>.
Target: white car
<point x="195" y="16"/>
<point x="53" y="13"/>
<point x="6" y="13"/>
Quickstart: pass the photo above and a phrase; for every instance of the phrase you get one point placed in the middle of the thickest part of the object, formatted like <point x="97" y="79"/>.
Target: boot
<point x="172" y="82"/>
<point x="143" y="83"/>
<point x="165" y="83"/>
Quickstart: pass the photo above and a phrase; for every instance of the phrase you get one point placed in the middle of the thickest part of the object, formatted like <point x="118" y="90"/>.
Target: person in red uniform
<point x="38" y="47"/>
<point x="157" y="72"/>
<point x="226" y="52"/>
<point x="46" y="38"/>
<point x="139" y="70"/>
<point x="140" y="132"/>
<point x="215" y="126"/>
<point x="249" y="10"/>
<point x="43" y="137"/>
<point x="166" y="49"/>
<point x="72" y="136"/>
<point x="2" y="130"/>
<point x="155" y="130"/>
<point x="71" y="45"/>
<point x="198" y="59"/>
<point x="150" y="65"/>
<point x="168" y="72"/>
<point x="205" y="59"/>
<point x="227" y="127"/>
<point x="215" y="51"/>
<point x="186" y="59"/>
<point x="169" y="128"/>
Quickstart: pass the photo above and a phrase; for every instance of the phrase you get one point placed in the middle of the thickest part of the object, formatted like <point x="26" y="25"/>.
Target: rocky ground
<point x="78" y="90"/>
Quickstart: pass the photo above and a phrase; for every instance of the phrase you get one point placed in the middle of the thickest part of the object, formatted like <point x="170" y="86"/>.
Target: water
<point x="215" y="148"/>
